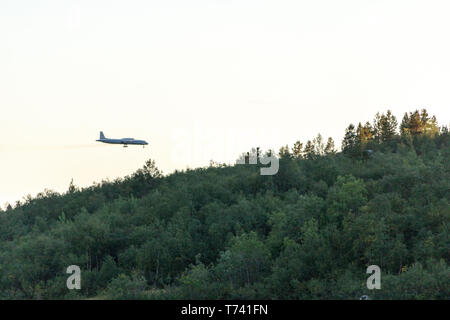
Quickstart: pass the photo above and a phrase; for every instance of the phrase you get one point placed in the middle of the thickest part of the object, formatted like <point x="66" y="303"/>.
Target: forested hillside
<point x="227" y="232"/>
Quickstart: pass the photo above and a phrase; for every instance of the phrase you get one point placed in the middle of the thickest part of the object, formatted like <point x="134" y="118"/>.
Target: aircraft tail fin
<point x="102" y="136"/>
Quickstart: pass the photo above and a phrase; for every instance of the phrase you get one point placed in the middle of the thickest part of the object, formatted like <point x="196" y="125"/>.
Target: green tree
<point x="309" y="151"/>
<point x="385" y="126"/>
<point x="350" y="143"/>
<point x="297" y="150"/>
<point x="329" y="148"/>
<point x="245" y="262"/>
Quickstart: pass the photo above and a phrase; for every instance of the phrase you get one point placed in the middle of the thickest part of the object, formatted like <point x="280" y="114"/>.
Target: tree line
<point x="227" y="232"/>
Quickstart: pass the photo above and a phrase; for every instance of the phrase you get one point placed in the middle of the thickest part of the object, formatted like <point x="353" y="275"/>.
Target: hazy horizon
<point x="204" y="80"/>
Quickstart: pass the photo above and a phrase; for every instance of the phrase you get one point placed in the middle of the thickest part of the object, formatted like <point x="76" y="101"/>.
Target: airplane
<point x="124" y="141"/>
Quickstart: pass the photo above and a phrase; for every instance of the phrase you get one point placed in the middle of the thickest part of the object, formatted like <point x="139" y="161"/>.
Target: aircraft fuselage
<point x="124" y="141"/>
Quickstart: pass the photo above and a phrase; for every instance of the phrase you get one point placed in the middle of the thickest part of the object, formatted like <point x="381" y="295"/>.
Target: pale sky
<point x="202" y="80"/>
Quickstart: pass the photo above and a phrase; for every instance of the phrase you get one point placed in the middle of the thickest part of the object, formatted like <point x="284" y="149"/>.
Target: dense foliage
<point x="222" y="232"/>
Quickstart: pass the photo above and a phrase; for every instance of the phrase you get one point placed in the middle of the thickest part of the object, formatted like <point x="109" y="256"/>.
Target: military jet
<point x="124" y="141"/>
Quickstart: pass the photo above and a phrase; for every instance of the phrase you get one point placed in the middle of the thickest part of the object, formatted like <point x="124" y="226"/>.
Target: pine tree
<point x="319" y="148"/>
<point x="389" y="127"/>
<point x="329" y="148"/>
<point x="424" y="116"/>
<point x="364" y="133"/>
<point x="384" y="126"/>
<point x="284" y="152"/>
<point x="377" y="127"/>
<point x="404" y="126"/>
<point x="430" y="125"/>
<point x="350" y="139"/>
<point x="72" y="187"/>
<point x="417" y="123"/>
<point x="297" y="150"/>
<point x="308" y="151"/>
